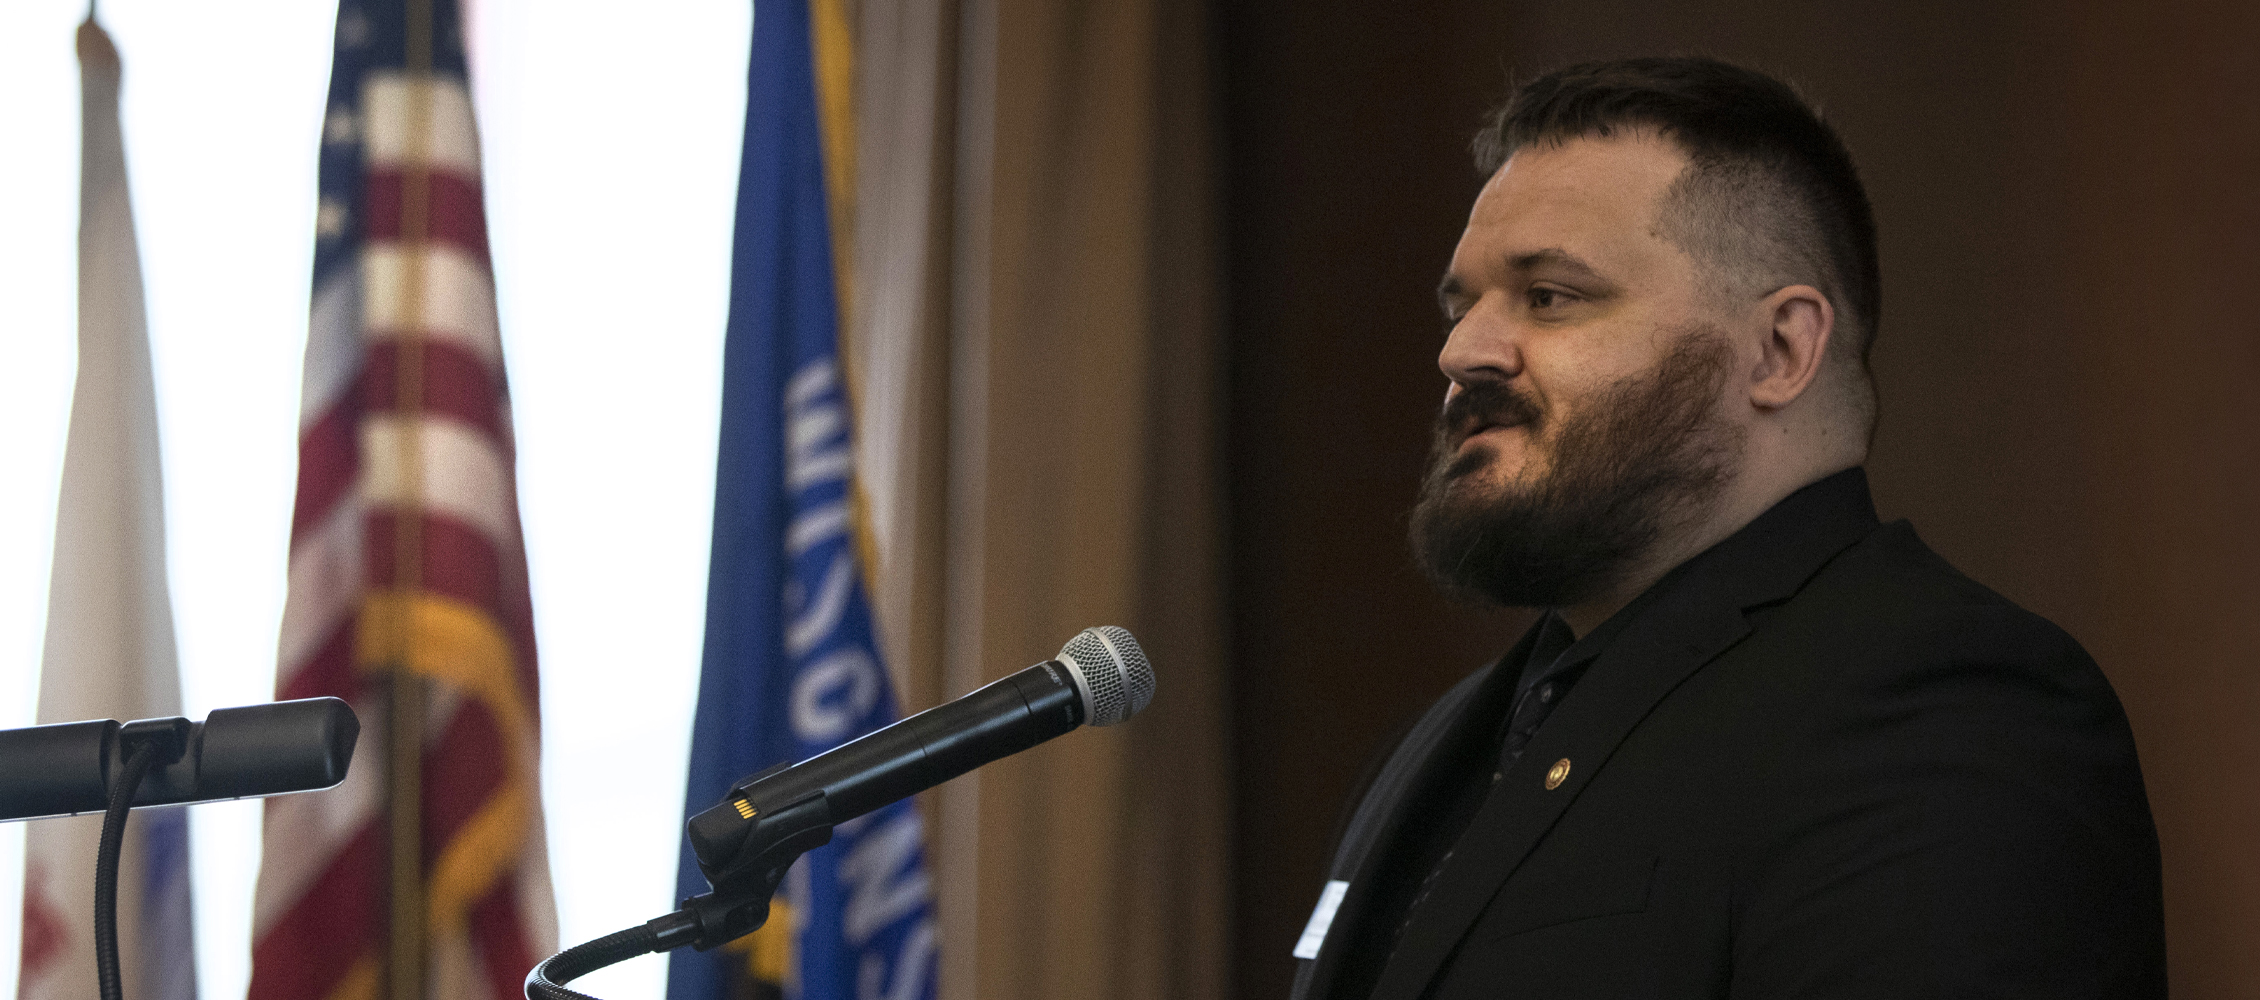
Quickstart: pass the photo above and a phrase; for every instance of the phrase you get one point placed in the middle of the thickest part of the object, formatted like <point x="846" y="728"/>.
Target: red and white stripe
<point x="366" y="465"/>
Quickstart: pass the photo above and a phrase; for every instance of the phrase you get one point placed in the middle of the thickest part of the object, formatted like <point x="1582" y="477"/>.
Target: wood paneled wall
<point x="2069" y="196"/>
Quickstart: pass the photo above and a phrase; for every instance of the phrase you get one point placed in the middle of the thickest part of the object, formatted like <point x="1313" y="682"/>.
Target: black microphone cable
<point x="547" y="980"/>
<point x="156" y="741"/>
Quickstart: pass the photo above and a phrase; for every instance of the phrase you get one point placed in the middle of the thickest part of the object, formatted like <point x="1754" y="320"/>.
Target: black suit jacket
<point x="1821" y="763"/>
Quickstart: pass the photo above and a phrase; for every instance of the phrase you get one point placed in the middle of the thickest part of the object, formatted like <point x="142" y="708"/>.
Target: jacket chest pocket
<point x="1561" y="893"/>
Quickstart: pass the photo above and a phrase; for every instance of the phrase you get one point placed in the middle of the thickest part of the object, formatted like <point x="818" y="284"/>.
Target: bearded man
<point x="1759" y="744"/>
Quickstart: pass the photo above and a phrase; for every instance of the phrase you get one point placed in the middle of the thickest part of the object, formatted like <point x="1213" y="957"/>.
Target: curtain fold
<point x="1036" y="335"/>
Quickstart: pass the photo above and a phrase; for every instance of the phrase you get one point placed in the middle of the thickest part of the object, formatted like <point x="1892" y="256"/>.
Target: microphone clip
<point x="744" y="848"/>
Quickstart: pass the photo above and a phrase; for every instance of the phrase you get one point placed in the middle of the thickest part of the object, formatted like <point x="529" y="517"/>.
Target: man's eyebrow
<point x="1449" y="291"/>
<point x="1555" y="257"/>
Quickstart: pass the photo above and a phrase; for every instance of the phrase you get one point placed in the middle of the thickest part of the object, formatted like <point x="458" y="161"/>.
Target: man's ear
<point x="1801" y="321"/>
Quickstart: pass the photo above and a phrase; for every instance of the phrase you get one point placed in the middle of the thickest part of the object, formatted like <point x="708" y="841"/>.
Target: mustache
<point x="1484" y="404"/>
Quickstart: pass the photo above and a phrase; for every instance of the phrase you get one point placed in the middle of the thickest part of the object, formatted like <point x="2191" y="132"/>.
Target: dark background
<point x="2070" y="238"/>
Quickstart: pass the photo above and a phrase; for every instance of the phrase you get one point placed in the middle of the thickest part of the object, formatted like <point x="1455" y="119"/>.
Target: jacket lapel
<point x="1382" y="811"/>
<point x="1698" y="617"/>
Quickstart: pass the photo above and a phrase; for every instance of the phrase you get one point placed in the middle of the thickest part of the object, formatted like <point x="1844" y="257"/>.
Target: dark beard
<point x="1645" y="457"/>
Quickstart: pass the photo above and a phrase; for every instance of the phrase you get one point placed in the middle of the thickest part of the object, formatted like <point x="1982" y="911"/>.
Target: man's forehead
<point x="1589" y="198"/>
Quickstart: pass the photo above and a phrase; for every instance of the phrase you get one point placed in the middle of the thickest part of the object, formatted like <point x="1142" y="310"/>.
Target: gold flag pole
<point x="406" y="959"/>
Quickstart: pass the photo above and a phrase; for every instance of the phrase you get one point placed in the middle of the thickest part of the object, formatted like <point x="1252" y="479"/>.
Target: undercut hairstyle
<point x="1769" y="198"/>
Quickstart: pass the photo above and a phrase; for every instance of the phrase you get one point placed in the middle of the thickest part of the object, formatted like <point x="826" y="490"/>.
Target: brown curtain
<point x="1035" y="332"/>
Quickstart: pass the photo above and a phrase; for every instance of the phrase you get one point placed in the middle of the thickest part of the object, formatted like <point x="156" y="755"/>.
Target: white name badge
<point x="1321" y="918"/>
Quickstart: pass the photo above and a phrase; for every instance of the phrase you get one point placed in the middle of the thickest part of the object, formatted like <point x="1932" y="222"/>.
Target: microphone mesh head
<point x="1117" y="681"/>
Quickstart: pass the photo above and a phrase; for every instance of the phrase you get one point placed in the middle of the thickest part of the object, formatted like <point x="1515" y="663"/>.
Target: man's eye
<point x="1546" y="298"/>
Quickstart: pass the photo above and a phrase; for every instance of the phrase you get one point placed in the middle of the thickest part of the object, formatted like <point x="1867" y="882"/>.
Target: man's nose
<point x="1482" y="346"/>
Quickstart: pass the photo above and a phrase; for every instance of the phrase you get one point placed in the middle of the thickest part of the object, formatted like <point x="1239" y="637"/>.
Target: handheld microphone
<point x="743" y="844"/>
<point x="236" y="753"/>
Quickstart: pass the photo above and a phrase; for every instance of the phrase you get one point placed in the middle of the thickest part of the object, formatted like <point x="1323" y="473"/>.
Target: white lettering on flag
<point x="911" y="965"/>
<point x="833" y="694"/>
<point x="811" y="625"/>
<point x="815" y="526"/>
<point x="816" y="438"/>
<point x="882" y="884"/>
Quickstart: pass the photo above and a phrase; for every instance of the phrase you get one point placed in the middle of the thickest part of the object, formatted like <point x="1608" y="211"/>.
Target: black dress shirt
<point x="1501" y="723"/>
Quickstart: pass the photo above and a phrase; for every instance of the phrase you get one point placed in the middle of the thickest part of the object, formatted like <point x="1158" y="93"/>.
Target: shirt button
<point x="1546" y="693"/>
<point x="1496" y="775"/>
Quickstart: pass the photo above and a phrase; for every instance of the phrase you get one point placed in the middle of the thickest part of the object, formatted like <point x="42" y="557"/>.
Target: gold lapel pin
<point x="1557" y="774"/>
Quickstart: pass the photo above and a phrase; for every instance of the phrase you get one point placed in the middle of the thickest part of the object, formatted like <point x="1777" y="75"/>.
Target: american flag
<point x="426" y="874"/>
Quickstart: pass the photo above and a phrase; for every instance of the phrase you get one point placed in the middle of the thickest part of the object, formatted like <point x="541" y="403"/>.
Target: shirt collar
<point x="1773" y="541"/>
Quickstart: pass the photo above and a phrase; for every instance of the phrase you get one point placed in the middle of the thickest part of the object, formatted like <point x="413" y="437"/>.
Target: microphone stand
<point x="75" y="768"/>
<point x="737" y="906"/>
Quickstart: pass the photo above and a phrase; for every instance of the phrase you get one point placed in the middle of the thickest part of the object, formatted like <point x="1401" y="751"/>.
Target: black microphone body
<point x="767" y="819"/>
<point x="68" y="768"/>
<point x="770" y="818"/>
<point x="1000" y="719"/>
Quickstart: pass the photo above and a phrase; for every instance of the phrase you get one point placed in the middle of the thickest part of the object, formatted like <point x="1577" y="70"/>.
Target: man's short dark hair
<point x="1770" y="194"/>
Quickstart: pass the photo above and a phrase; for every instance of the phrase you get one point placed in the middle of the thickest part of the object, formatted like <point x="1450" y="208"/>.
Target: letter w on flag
<point x="791" y="666"/>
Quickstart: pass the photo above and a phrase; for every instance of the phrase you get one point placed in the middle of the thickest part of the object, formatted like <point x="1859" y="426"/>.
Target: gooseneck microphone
<point x="71" y="768"/>
<point x="765" y="821"/>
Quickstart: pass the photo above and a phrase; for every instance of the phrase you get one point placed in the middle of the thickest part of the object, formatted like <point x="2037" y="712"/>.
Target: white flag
<point x="109" y="651"/>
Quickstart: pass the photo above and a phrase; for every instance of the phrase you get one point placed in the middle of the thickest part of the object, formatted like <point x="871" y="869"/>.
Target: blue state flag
<point x="791" y="664"/>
